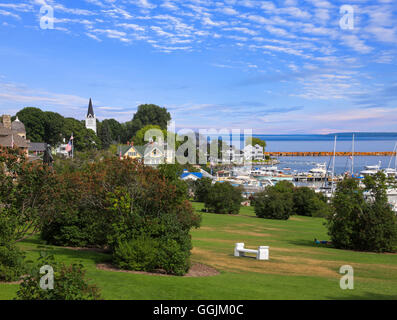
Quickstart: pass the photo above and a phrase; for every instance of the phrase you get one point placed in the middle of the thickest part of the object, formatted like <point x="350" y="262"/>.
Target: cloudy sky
<point x="279" y="67"/>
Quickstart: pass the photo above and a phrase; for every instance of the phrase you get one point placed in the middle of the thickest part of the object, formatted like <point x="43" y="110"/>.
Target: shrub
<point x="202" y="188"/>
<point x="309" y="203"/>
<point x="11" y="263"/>
<point x="362" y="222"/>
<point x="173" y="258"/>
<point x="273" y="204"/>
<point x="11" y="258"/>
<point x="137" y="254"/>
<point x="224" y="198"/>
<point x="69" y="283"/>
<point x="75" y="229"/>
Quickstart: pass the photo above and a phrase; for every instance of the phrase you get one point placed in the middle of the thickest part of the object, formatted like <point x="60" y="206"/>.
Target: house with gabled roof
<point x="152" y="154"/>
<point x="13" y="134"/>
<point x="131" y="152"/>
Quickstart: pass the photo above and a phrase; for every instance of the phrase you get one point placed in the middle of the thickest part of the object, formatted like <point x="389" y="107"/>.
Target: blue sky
<point x="272" y="66"/>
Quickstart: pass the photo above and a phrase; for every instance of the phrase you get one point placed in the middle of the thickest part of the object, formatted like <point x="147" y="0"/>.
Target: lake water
<point x="306" y="143"/>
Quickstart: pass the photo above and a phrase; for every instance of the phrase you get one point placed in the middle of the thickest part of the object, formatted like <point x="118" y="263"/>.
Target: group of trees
<point x="358" y="218"/>
<point x="54" y="129"/>
<point x="140" y="213"/>
<point x="284" y="199"/>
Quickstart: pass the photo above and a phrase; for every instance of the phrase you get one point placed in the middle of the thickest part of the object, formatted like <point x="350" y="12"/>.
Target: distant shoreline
<point x="328" y="154"/>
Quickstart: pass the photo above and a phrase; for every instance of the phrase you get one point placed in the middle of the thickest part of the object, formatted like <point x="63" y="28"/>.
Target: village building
<point x="186" y="175"/>
<point x="90" y="119"/>
<point x="13" y="134"/>
<point x="255" y="152"/>
<point x="152" y="154"/>
<point x="37" y="148"/>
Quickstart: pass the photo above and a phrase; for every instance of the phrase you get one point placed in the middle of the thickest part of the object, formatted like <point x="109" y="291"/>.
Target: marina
<point x="320" y="171"/>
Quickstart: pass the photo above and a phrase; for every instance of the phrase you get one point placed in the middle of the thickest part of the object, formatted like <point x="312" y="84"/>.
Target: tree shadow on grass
<point x="33" y="240"/>
<point x="83" y="254"/>
<point x="366" y="296"/>
<point x="310" y="243"/>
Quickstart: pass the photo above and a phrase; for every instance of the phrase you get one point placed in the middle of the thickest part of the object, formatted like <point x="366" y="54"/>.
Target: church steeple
<point x="90" y="112"/>
<point x="90" y="120"/>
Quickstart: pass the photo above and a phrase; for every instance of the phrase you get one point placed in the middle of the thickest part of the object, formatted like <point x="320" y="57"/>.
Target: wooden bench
<point x="261" y="254"/>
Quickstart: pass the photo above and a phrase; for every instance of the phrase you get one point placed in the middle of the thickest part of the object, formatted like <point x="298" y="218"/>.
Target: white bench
<point x="261" y="254"/>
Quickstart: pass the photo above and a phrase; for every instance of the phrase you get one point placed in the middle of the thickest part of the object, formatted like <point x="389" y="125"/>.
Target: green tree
<point x="309" y="203"/>
<point x="202" y="188"/>
<point x="53" y="125"/>
<point x="25" y="189"/>
<point x="105" y="135"/>
<point x="148" y="114"/>
<point x="84" y="139"/>
<point x="117" y="130"/>
<point x="34" y="120"/>
<point x="172" y="173"/>
<point x="362" y="219"/>
<point x="224" y="198"/>
<point x="139" y="138"/>
<point x="275" y="202"/>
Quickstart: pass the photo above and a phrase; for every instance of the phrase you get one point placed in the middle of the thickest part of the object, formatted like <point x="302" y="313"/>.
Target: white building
<point x="61" y="151"/>
<point x="90" y="120"/>
<point x="253" y="152"/>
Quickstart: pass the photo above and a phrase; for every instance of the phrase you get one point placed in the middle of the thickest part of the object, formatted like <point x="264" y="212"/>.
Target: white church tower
<point x="90" y="120"/>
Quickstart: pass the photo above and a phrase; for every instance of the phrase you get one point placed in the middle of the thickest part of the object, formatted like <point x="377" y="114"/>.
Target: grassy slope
<point x="297" y="270"/>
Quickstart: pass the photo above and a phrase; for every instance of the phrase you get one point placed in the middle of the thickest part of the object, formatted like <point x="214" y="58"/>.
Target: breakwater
<point x="328" y="154"/>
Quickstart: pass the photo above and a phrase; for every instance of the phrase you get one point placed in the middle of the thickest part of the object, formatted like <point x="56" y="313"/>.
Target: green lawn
<point x="297" y="269"/>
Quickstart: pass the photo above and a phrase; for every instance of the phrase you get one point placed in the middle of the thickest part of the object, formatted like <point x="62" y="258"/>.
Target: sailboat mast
<point x="391" y="158"/>
<point x="333" y="168"/>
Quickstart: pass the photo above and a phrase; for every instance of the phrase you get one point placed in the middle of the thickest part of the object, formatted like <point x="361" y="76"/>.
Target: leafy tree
<point x="202" y="188"/>
<point x="362" y="219"/>
<point x="117" y="130"/>
<point x="53" y="128"/>
<point x="84" y="139"/>
<point x="284" y="186"/>
<point x="25" y="193"/>
<point x="139" y="139"/>
<point x="348" y="205"/>
<point x="172" y="173"/>
<point x="34" y="120"/>
<point x="309" y="203"/>
<point x="275" y="202"/>
<point x="105" y="135"/>
<point x="224" y="198"/>
<point x="148" y="114"/>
